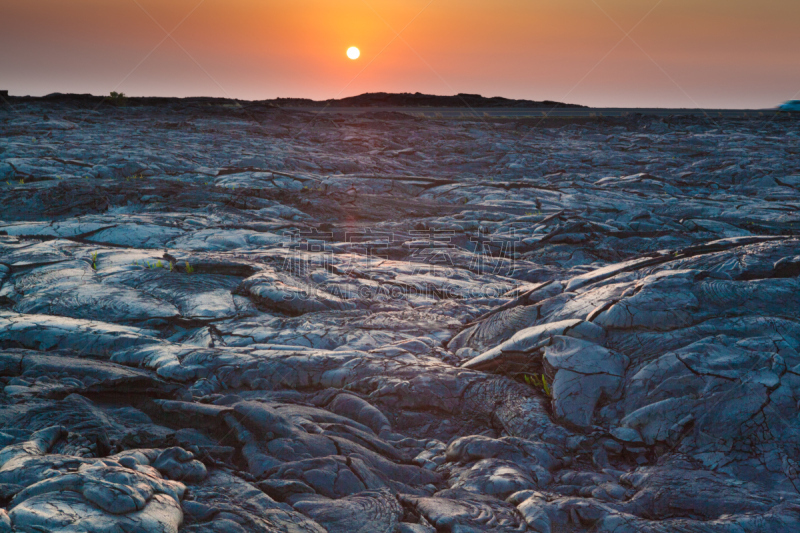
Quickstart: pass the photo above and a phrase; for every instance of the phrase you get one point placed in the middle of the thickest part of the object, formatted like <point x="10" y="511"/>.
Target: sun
<point x="353" y="52"/>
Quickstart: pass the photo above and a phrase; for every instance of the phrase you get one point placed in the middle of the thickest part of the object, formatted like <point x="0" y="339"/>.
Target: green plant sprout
<point x="189" y="269"/>
<point x="538" y="382"/>
<point x="94" y="261"/>
<point x="159" y="264"/>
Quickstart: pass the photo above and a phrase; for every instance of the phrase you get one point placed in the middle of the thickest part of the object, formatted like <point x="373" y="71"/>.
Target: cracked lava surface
<point x="216" y="318"/>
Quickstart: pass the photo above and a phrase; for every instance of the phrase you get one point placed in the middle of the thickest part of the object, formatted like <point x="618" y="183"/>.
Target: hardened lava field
<point x="223" y="317"/>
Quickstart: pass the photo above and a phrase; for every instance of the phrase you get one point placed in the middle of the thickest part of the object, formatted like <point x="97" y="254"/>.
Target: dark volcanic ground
<point x="218" y="317"/>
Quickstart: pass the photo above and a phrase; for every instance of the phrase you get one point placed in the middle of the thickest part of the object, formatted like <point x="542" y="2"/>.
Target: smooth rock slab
<point x="529" y="340"/>
<point x="583" y="372"/>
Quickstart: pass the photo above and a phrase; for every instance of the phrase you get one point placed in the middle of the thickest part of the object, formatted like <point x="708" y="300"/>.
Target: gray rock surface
<point x="238" y="318"/>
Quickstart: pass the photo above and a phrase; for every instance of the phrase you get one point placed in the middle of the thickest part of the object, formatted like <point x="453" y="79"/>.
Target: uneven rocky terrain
<point x="218" y="317"/>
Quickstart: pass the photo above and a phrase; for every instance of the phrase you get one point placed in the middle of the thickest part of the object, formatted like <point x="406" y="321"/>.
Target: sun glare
<point x="353" y="52"/>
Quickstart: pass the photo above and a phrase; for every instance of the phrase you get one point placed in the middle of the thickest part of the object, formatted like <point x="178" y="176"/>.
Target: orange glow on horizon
<point x="722" y="53"/>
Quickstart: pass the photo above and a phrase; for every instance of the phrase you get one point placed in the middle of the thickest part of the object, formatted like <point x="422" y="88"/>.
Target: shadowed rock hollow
<point x="226" y="318"/>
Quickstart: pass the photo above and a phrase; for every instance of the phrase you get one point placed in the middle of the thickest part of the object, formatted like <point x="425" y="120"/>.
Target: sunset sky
<point x="679" y="53"/>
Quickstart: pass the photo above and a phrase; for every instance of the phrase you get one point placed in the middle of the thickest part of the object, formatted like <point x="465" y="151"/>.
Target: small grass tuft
<point x="94" y="261"/>
<point x="189" y="268"/>
<point x="538" y="382"/>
